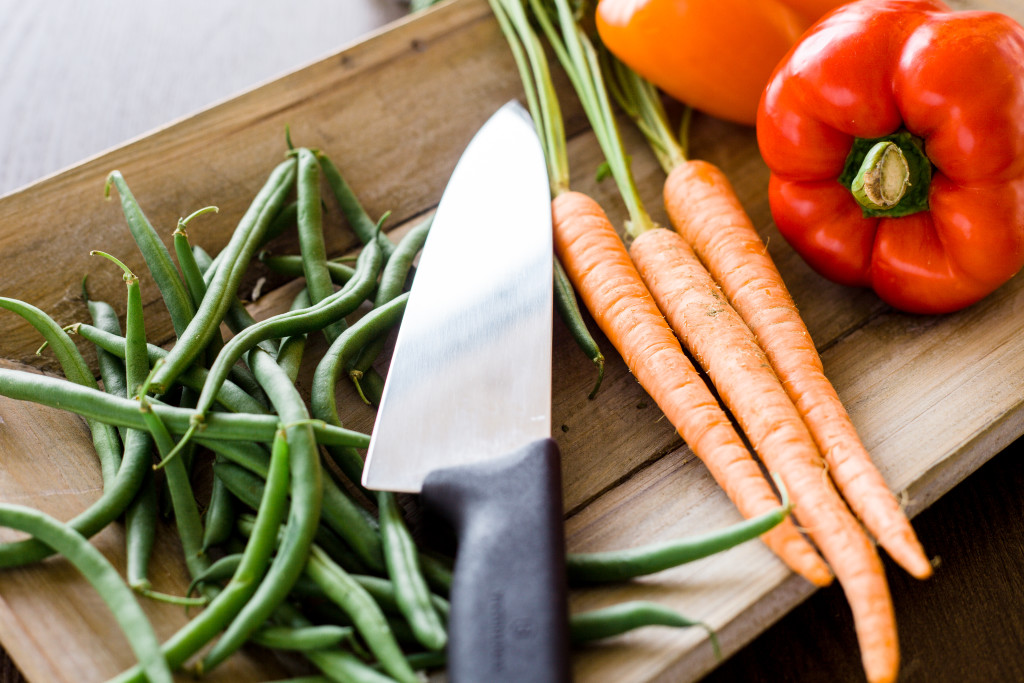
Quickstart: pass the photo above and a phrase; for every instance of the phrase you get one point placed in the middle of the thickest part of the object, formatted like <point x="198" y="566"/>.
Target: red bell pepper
<point x="921" y="111"/>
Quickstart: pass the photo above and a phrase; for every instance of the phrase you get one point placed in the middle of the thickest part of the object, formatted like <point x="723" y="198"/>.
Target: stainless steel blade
<point x="470" y="378"/>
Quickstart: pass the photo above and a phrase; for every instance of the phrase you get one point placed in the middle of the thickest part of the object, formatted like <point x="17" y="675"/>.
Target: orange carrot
<point x="704" y="209"/>
<point x="724" y="345"/>
<point x="601" y="271"/>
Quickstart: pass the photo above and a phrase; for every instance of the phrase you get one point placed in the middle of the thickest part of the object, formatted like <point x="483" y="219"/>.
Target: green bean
<point x="237" y="318"/>
<point x="218" y="572"/>
<point x="113" y="410"/>
<point x="411" y="590"/>
<point x="351" y="522"/>
<point x="291" y="265"/>
<point x="141" y="514"/>
<point x="569" y="310"/>
<point x="136" y="357"/>
<point x="283" y="220"/>
<point x="118" y="492"/>
<point x="141" y="518"/>
<point x="618" y="619"/>
<point x="383" y="591"/>
<point x="112" y="371"/>
<point x="344" y="667"/>
<point x="311" y="235"/>
<point x="190" y="270"/>
<point x="230" y="395"/>
<point x="242" y="483"/>
<point x="186" y="513"/>
<point x="323" y="401"/>
<point x="223" y="286"/>
<point x="303" y="638"/>
<point x="290" y="352"/>
<point x="364" y="612"/>
<point x="101" y="575"/>
<point x="392" y="282"/>
<point x="286" y="324"/>
<point x="192" y="274"/>
<point x="247" y="574"/>
<point x="105" y="438"/>
<point x="155" y="253"/>
<point x="306" y="495"/>
<point x="361" y="223"/>
<point x="219" y="519"/>
<point x="619" y="565"/>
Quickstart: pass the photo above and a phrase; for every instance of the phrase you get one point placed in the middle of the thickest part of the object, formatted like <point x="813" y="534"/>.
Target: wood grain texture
<point x="934" y="398"/>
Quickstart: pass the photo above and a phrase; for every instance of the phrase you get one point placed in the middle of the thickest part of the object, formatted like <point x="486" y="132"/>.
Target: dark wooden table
<point x="82" y="77"/>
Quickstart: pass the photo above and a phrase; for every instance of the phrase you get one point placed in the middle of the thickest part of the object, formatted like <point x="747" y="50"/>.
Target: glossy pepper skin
<point x="714" y="55"/>
<point x="951" y="82"/>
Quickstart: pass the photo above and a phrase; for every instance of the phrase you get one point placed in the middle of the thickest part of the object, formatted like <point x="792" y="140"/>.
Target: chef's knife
<point x="464" y="418"/>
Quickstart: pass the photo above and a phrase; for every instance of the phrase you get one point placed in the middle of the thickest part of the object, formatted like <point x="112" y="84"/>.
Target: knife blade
<point x="464" y="418"/>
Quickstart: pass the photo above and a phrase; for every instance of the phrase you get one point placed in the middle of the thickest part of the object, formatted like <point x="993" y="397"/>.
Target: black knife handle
<point x="509" y="611"/>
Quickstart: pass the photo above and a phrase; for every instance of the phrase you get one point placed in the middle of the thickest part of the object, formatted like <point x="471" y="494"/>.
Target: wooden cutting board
<point x="933" y="397"/>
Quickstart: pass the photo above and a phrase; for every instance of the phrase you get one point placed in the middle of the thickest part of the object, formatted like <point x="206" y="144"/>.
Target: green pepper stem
<point x="883" y="177"/>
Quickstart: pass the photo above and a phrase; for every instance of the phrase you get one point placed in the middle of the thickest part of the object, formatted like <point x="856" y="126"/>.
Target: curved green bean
<point x="155" y="253"/>
<point x="249" y="570"/>
<point x="219" y="518"/>
<point x="237" y="318"/>
<point x="340" y="665"/>
<point x="291" y="265"/>
<point x="245" y="240"/>
<point x="291" y="350"/>
<point x="392" y="282"/>
<point x="619" y="565"/>
<point x="323" y="401"/>
<point x="141" y="514"/>
<point x="112" y="371"/>
<point x="365" y="228"/>
<point x="230" y="396"/>
<point x="569" y="310"/>
<point x="618" y="619"/>
<point x="364" y="612"/>
<point x="306" y="493"/>
<point x="190" y="271"/>
<point x="291" y="323"/>
<point x="102" y="576"/>
<point x="183" y="501"/>
<point x="340" y="513"/>
<point x="113" y="410"/>
<point x="303" y="638"/>
<point x="105" y="438"/>
<point x="411" y="592"/>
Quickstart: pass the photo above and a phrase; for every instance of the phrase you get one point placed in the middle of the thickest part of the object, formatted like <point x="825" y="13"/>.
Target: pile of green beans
<point x="287" y="551"/>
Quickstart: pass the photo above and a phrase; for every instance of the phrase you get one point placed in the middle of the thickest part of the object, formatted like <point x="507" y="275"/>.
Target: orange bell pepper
<point x="714" y="55"/>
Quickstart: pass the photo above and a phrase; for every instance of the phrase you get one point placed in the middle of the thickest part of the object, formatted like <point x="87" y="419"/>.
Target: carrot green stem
<point x="639" y="99"/>
<point x="541" y="97"/>
<point x="580" y="60"/>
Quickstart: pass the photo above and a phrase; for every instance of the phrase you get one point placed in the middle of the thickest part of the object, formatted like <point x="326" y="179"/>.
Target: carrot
<point x="600" y="270"/>
<point x="739" y="368"/>
<point x="703" y="207"/>
<point x="724" y="345"/>
<point x="611" y="288"/>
